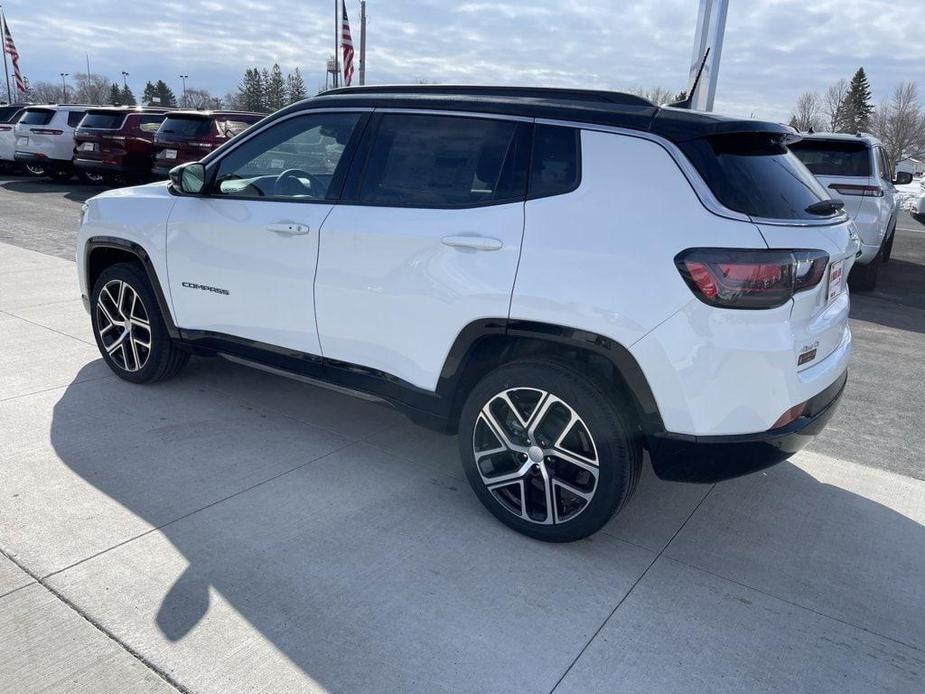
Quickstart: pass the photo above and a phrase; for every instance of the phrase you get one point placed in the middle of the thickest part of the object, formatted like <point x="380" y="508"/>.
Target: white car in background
<point x="9" y="114"/>
<point x="854" y="168"/>
<point x="45" y="138"/>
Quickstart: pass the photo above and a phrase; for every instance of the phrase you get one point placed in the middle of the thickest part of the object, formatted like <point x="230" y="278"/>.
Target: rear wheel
<point x="90" y="178"/>
<point x="60" y="176"/>
<point x="547" y="451"/>
<point x="34" y="169"/>
<point x="888" y="247"/>
<point x="129" y="329"/>
<point x="863" y="278"/>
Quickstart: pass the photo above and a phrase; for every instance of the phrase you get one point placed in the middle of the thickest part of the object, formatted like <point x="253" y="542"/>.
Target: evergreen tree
<point x="250" y="91"/>
<point x="165" y="93"/>
<point x="276" y="89"/>
<point x="264" y="95"/>
<point x="149" y="94"/>
<point x="115" y="96"/>
<point x="128" y="99"/>
<point x="857" y="108"/>
<point x="295" y="86"/>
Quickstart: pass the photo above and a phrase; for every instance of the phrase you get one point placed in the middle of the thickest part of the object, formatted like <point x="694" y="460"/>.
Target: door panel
<point x="393" y="295"/>
<point x="242" y="260"/>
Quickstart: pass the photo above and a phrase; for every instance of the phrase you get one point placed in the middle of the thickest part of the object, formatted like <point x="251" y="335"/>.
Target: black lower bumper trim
<point x="685" y="458"/>
<point x="93" y="166"/>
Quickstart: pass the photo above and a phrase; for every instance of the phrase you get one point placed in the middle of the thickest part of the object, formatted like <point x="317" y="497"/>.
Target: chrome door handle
<point x="479" y="243"/>
<point x="288" y="228"/>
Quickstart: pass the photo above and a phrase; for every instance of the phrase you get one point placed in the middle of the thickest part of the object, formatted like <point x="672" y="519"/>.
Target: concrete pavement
<point x="232" y="531"/>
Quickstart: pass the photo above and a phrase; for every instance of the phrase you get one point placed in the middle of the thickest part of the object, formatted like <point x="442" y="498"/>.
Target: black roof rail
<point x="594" y="95"/>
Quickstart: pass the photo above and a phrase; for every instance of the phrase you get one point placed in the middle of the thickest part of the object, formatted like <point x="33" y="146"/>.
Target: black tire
<point x="60" y="176"/>
<point x="614" y="442"/>
<point x="888" y="246"/>
<point x="863" y="278"/>
<point x="163" y="359"/>
<point x="34" y="170"/>
<point x="91" y="179"/>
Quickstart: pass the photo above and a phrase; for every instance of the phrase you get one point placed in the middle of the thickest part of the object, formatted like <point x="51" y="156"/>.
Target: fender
<point x="95" y="242"/>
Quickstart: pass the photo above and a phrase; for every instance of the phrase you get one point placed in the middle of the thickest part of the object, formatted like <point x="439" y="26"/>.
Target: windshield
<point x="757" y="175"/>
<point x="103" y="121"/>
<point x="833" y="157"/>
<point x="186" y="126"/>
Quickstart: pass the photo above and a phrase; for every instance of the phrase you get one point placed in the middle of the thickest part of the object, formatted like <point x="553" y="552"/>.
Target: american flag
<point x="346" y="45"/>
<point x="10" y="49"/>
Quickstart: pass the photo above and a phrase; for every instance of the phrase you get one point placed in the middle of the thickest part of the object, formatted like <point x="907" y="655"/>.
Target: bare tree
<point x="832" y="108"/>
<point x="807" y="114"/>
<point x="657" y="95"/>
<point x="90" y="89"/>
<point x="899" y="123"/>
<point x="44" y="93"/>
<point x="199" y="99"/>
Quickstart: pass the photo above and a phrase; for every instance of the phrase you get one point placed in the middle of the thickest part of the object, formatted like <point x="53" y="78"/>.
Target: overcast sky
<point x="774" y="50"/>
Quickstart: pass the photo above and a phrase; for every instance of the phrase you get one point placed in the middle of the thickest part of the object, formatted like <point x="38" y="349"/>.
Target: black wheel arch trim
<point x="114" y="242"/>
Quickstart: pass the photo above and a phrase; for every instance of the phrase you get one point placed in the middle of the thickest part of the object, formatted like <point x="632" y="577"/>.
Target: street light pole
<point x="124" y="83"/>
<point x="64" y="85"/>
<point x="184" y="78"/>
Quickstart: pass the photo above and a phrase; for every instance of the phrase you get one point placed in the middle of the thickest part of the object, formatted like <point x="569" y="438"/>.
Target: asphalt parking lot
<point x="233" y="531"/>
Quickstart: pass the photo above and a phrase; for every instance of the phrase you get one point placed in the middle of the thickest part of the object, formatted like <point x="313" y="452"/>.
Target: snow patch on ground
<point x="909" y="195"/>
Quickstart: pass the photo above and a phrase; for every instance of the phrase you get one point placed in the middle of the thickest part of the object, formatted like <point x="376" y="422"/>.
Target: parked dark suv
<point x="190" y="135"/>
<point x="113" y="144"/>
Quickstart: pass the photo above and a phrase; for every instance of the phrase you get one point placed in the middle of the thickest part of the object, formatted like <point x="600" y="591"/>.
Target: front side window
<point x="422" y="160"/>
<point x="833" y="157"/>
<point x="294" y="159"/>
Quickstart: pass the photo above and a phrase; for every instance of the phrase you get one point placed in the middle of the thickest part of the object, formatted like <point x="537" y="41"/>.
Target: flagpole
<point x="6" y="70"/>
<point x="336" y="46"/>
<point x="362" y="42"/>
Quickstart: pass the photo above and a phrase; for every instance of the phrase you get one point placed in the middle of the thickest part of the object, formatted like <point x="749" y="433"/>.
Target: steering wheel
<point x="290" y="178"/>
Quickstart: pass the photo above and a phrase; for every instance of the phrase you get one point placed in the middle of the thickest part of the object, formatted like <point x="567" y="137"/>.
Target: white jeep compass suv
<point x="565" y="278"/>
<point x="855" y="169"/>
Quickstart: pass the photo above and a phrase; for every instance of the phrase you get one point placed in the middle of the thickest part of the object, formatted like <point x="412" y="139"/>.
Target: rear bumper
<point x="47" y="162"/>
<point x="96" y="166"/>
<point x="686" y="458"/>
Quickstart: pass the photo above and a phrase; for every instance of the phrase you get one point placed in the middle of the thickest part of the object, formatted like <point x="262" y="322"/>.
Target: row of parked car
<point x="111" y="144"/>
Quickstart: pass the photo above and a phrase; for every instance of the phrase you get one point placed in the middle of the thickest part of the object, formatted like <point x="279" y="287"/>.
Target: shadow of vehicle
<point x="76" y="191"/>
<point x="369" y="572"/>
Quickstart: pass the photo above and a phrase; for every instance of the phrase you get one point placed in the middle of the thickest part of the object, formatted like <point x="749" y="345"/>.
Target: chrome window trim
<point x="457" y="114"/>
<point x="699" y="186"/>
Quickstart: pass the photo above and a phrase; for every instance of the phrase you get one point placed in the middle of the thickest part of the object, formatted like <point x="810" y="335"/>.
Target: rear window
<point x="230" y="127"/>
<point x="833" y="157"/>
<point x="103" y="121"/>
<point x="36" y="117"/>
<point x="187" y="126"/>
<point x="8" y="113"/>
<point x="74" y="118"/>
<point x="757" y="175"/>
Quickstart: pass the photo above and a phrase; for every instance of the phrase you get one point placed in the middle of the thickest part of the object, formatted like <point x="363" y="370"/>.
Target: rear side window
<point x="445" y="161"/>
<point x="74" y="118"/>
<point x="36" y="117"/>
<point x="231" y="127"/>
<point x="187" y="126"/>
<point x="103" y="121"/>
<point x="757" y="175"/>
<point x="556" y="162"/>
<point x="150" y="123"/>
<point x="833" y="157"/>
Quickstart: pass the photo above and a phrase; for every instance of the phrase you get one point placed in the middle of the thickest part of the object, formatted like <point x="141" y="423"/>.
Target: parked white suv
<point x="9" y="114"/>
<point x="45" y="138"/>
<point x="565" y="278"/>
<point x="855" y="169"/>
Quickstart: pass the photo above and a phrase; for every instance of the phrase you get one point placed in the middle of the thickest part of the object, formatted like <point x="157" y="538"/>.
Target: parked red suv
<point x="190" y="135"/>
<point x="116" y="143"/>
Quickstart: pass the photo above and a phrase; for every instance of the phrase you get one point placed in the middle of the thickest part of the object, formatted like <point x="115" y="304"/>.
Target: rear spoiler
<point x="681" y="125"/>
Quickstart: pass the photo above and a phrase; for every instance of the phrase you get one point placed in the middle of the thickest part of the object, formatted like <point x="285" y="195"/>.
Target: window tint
<point x="833" y="157"/>
<point x="74" y="118"/>
<point x="186" y="126"/>
<point x="150" y="123"/>
<point x="103" y="121"/>
<point x="36" y="117"/>
<point x="556" y="161"/>
<point x="444" y="161"/>
<point x="295" y="159"/>
<point x="756" y="174"/>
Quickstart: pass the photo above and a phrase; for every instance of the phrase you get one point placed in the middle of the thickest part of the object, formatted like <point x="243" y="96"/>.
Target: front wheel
<point x="547" y="450"/>
<point x="129" y="329"/>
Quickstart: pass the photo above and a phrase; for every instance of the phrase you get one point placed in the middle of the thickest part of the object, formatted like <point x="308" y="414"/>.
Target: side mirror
<point x="903" y="178"/>
<point x="189" y="179"/>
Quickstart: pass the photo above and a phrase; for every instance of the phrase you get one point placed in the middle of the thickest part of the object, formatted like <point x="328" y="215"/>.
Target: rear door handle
<point x="479" y="243"/>
<point x="288" y="228"/>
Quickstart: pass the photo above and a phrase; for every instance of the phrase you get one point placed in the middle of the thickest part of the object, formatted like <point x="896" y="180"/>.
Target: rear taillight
<point x="853" y="189"/>
<point x="5" y="128"/>
<point x="46" y="131"/>
<point x="750" y="279"/>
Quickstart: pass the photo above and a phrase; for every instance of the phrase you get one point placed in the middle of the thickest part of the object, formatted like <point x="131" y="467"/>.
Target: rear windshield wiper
<point x="825" y="207"/>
